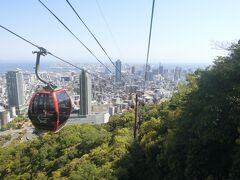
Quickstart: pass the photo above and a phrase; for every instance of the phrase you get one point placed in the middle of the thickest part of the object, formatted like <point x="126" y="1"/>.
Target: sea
<point x="28" y="66"/>
<point x="54" y="67"/>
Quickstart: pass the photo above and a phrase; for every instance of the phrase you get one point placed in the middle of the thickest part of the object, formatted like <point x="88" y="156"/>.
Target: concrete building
<point x="177" y="73"/>
<point x="15" y="90"/>
<point x="131" y="88"/>
<point x="4" y="116"/>
<point x="149" y="76"/>
<point x="67" y="78"/>
<point x="118" y="70"/>
<point x="12" y="112"/>
<point x="98" y="118"/>
<point x="148" y="68"/>
<point x="85" y="94"/>
<point x="133" y="70"/>
<point x="94" y="118"/>
<point x="160" y="69"/>
<point x="111" y="111"/>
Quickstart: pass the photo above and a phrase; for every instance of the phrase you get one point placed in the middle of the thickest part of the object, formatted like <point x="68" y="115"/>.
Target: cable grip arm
<point x="41" y="52"/>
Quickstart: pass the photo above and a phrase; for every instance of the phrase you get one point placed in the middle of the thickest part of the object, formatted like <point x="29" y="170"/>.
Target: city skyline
<point x="52" y="64"/>
<point x="182" y="31"/>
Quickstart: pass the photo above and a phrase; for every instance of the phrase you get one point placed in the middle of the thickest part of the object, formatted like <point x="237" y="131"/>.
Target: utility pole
<point x="136" y="118"/>
<point x="140" y="114"/>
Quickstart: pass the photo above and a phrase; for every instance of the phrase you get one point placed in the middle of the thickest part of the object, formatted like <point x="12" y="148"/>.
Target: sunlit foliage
<point x="194" y="135"/>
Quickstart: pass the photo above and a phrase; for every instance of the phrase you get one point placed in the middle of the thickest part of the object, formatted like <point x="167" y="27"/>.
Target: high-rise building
<point x="177" y="73"/>
<point x="85" y="94"/>
<point x="148" y="73"/>
<point x="15" y="90"/>
<point x="148" y="67"/>
<point x="160" y="69"/>
<point x="133" y="70"/>
<point x="155" y="71"/>
<point x="118" y="70"/>
<point x="149" y="76"/>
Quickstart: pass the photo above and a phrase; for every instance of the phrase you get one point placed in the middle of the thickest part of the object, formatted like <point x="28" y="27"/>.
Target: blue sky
<point x="182" y="29"/>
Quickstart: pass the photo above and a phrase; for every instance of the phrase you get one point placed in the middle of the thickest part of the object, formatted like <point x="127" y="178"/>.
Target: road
<point x="28" y="135"/>
<point x="28" y="131"/>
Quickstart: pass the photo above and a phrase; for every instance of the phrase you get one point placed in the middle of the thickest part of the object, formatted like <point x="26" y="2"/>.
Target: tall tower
<point x="15" y="90"/>
<point x="85" y="94"/>
<point x="118" y="70"/>
<point x="160" y="69"/>
<point x="133" y="69"/>
<point x="177" y="73"/>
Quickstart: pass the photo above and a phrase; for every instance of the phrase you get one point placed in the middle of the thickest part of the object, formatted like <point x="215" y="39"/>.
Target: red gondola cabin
<point x="49" y="110"/>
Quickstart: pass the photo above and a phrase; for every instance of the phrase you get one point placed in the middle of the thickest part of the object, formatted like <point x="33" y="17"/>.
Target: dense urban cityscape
<point x="102" y="98"/>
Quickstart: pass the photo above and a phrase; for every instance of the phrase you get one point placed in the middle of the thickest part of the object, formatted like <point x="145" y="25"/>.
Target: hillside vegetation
<point x="194" y="135"/>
